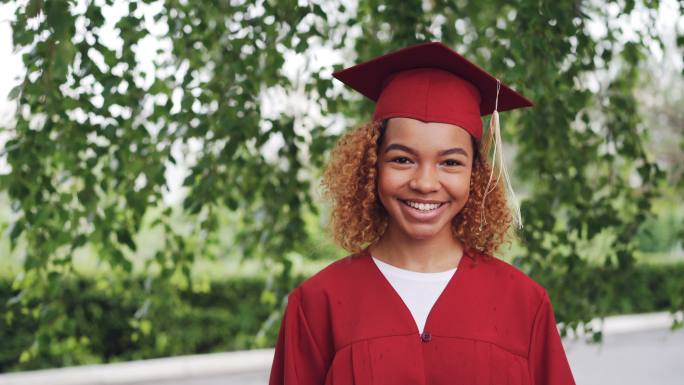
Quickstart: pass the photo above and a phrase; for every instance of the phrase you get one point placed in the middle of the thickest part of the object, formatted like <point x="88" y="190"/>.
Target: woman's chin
<point x="421" y="234"/>
<point x="422" y="237"/>
<point x="421" y="231"/>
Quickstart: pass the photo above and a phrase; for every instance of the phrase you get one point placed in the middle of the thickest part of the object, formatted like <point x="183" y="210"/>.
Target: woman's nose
<point x="425" y="180"/>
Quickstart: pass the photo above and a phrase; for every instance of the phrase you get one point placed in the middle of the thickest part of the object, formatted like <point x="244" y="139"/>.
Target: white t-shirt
<point x="419" y="291"/>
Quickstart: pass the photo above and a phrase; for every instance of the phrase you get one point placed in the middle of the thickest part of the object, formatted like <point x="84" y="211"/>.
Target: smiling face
<point x="423" y="176"/>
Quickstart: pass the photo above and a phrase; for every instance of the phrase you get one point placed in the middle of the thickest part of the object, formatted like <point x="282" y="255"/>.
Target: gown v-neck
<point x="401" y="305"/>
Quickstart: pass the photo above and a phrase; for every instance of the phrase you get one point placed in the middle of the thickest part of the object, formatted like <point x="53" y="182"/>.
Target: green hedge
<point x="227" y="317"/>
<point x="121" y="322"/>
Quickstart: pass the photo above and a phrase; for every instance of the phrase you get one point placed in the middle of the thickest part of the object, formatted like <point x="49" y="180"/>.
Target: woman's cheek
<point x="460" y="189"/>
<point x="390" y="178"/>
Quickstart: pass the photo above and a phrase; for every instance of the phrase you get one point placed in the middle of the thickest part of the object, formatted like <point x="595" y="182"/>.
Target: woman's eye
<point x="452" y="162"/>
<point x="401" y="160"/>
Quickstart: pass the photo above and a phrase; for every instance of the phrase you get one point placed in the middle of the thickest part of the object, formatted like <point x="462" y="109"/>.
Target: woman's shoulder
<point x="339" y="275"/>
<point x="503" y="276"/>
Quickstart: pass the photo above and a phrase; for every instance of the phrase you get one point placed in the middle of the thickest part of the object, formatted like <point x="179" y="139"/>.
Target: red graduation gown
<point x="491" y="325"/>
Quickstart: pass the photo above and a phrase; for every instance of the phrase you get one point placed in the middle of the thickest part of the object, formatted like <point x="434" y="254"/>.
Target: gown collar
<point x="397" y="304"/>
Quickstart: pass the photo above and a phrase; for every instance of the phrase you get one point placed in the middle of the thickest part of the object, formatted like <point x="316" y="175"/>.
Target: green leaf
<point x="16" y="229"/>
<point x="33" y="8"/>
<point x="60" y="19"/>
<point x="64" y="55"/>
<point x="15" y="92"/>
<point x="124" y="236"/>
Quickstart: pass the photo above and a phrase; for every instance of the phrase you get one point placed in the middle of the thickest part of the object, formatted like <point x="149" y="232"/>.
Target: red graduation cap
<point x="432" y="83"/>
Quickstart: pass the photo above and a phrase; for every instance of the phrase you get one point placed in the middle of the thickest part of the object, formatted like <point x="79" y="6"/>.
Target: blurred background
<point x="160" y="165"/>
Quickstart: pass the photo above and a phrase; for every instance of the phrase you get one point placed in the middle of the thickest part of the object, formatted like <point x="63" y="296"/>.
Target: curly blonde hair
<point x="359" y="219"/>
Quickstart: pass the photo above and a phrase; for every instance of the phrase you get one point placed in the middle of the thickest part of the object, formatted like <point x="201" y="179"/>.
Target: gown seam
<point x="434" y="335"/>
<point x="532" y="335"/>
<point x="372" y="338"/>
<point x="485" y="341"/>
<point x="301" y="312"/>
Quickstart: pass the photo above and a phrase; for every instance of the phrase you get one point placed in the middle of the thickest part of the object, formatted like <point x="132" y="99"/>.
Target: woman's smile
<point x="423" y="211"/>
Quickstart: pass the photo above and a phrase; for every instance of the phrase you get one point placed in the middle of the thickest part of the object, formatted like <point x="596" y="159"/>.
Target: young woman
<point x="421" y="300"/>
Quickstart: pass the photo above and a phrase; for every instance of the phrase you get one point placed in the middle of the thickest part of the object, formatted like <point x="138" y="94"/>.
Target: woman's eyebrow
<point x="455" y="150"/>
<point x="397" y="146"/>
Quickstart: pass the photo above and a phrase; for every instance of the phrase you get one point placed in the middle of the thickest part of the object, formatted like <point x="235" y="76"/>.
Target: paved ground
<point x="256" y="378"/>
<point x="647" y="357"/>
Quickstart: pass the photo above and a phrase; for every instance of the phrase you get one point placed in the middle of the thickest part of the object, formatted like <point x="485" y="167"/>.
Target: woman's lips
<point x="422" y="215"/>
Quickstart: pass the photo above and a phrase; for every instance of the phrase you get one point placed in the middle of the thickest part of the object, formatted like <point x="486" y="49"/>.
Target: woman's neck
<point x="439" y="253"/>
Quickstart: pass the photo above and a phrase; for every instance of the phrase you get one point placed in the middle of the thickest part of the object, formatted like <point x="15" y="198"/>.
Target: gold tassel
<point x="498" y="162"/>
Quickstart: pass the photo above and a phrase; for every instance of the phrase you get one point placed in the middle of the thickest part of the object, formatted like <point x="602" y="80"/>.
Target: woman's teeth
<point x="423" y="206"/>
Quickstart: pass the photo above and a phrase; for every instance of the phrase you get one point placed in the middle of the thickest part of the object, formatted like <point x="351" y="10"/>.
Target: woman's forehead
<point x="426" y="136"/>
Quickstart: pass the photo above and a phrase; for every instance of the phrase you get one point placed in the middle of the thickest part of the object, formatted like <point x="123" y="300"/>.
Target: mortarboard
<point x="432" y="83"/>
